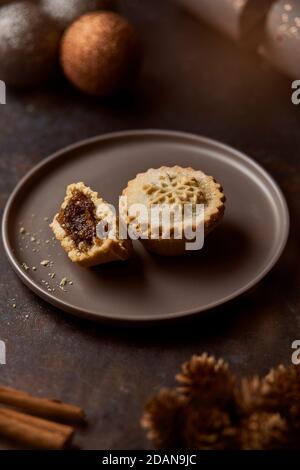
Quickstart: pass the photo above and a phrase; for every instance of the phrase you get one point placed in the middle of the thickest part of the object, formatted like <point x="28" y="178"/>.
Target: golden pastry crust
<point x="179" y="186"/>
<point x="100" y="251"/>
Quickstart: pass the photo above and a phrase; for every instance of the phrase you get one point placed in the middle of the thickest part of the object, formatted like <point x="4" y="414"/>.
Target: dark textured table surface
<point x="193" y="80"/>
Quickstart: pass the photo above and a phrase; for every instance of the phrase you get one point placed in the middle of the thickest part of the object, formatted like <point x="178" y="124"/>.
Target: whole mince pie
<point x="75" y="226"/>
<point x="181" y="190"/>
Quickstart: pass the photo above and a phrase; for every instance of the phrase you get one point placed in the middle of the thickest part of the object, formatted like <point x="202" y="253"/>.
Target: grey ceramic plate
<point x="147" y="288"/>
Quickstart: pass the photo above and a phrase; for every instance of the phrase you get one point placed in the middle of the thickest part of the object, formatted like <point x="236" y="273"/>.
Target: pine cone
<point x="281" y="391"/>
<point x="207" y="429"/>
<point x="249" y="396"/>
<point x="278" y="391"/>
<point x="207" y="380"/>
<point x="207" y="411"/>
<point x="263" y="431"/>
<point x="162" y="418"/>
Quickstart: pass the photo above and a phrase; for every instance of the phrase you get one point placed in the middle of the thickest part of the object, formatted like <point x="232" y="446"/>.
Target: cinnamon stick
<point x="35" y="432"/>
<point x="44" y="407"/>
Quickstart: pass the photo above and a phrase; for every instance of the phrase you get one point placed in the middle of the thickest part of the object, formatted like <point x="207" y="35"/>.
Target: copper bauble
<point x="100" y="53"/>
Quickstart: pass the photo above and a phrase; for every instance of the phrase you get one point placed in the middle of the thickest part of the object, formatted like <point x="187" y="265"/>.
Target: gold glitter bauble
<point x="100" y="53"/>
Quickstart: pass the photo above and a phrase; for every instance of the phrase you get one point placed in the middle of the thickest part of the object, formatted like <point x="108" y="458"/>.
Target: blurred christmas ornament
<point x="221" y="14"/>
<point x="100" y="53"/>
<point x="258" y="414"/>
<point x="270" y="26"/>
<point x="239" y="19"/>
<point x="65" y="12"/>
<point x="29" y="44"/>
<point x="282" y="37"/>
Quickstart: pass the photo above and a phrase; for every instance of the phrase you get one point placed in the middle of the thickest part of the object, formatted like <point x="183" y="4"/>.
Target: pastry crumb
<point x="25" y="266"/>
<point x="63" y="282"/>
<point x="22" y="230"/>
<point x="45" y="262"/>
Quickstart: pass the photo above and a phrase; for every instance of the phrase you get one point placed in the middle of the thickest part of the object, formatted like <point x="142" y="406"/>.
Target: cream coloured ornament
<point x="281" y="45"/>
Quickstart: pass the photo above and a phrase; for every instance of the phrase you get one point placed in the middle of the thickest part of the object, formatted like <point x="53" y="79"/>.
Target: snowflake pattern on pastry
<point x="174" y="189"/>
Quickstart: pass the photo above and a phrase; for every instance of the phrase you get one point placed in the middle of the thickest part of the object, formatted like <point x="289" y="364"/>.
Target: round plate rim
<point x="128" y="319"/>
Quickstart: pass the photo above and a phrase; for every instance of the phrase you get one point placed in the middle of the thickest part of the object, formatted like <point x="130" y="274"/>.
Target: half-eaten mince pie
<point x="76" y="227"/>
<point x="184" y="191"/>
